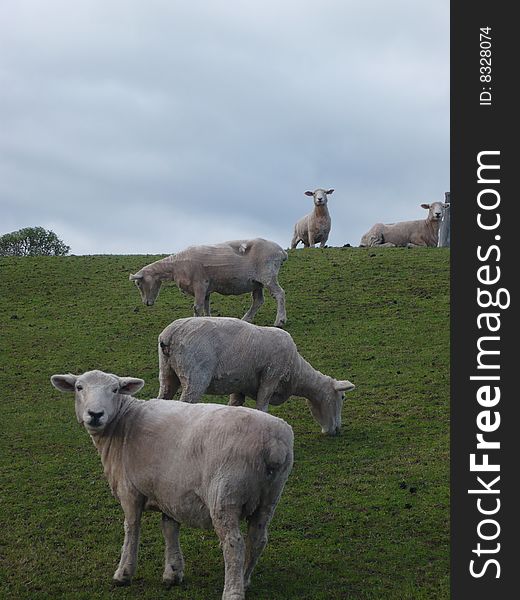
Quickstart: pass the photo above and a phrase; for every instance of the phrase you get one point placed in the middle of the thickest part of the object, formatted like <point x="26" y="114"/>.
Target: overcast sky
<point x="135" y="127"/>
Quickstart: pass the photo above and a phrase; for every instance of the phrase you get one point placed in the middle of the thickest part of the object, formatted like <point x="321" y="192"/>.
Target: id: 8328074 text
<point x="485" y="66"/>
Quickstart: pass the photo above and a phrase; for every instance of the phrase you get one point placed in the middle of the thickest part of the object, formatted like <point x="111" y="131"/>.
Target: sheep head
<point x="97" y="395"/>
<point x="148" y="286"/>
<point x="320" y="196"/>
<point x="435" y="210"/>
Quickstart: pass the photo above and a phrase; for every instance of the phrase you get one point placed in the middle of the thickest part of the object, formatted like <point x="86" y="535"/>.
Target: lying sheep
<point x="230" y="268"/>
<point x="203" y="465"/>
<point x="314" y="227"/>
<point x="407" y="233"/>
<point x="227" y="356"/>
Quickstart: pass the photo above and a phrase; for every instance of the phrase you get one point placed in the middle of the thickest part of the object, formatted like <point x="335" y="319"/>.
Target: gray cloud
<point x="137" y="127"/>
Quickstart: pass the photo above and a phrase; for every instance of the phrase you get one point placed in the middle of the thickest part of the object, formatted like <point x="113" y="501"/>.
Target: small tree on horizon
<point x="32" y="241"/>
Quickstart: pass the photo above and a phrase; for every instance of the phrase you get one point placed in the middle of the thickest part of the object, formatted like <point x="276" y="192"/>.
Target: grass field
<point x="363" y="516"/>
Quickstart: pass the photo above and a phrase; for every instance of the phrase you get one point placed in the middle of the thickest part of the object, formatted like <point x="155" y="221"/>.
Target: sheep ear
<point x="309" y="193"/>
<point x="64" y="383"/>
<point x="425" y="206"/>
<point x="135" y="277"/>
<point x="328" y="192"/>
<point x="344" y="386"/>
<point x="130" y="385"/>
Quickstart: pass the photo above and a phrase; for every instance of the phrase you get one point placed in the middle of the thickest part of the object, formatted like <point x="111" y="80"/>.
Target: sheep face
<point x="435" y="210"/>
<point x="320" y="196"/>
<point x="97" y="396"/>
<point x="327" y="409"/>
<point x="148" y="286"/>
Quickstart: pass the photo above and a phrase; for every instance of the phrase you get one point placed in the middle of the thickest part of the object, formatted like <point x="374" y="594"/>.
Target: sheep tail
<point x="165" y="348"/>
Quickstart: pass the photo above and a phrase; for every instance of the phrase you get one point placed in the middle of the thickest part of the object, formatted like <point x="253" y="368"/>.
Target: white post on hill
<point x="444" y="229"/>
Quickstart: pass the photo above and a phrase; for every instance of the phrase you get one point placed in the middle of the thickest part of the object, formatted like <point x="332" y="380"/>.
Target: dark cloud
<point x="137" y="127"/>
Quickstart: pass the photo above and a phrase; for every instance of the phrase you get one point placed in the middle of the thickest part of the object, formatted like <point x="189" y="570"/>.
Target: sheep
<point x="407" y="233"/>
<point x="314" y="227"/>
<point x="233" y="267"/>
<point x="228" y="356"/>
<point x="203" y="465"/>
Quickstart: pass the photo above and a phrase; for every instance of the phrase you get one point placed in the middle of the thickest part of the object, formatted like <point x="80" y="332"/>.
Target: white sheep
<point x="228" y="356"/>
<point x="230" y="268"/>
<point x="424" y="232"/>
<point x="205" y="465"/>
<point x="314" y="227"/>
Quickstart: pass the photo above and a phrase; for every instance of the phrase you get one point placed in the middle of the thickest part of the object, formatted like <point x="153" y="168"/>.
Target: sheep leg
<point x="256" y="538"/>
<point x="411" y="245"/>
<point x="279" y="295"/>
<point x="258" y="300"/>
<point x="236" y="400"/>
<point x="207" y="309"/>
<point x="194" y="389"/>
<point x="133" y="508"/>
<point x="263" y="397"/>
<point x="173" y="559"/>
<point x="169" y="383"/>
<point x="199" y="291"/>
<point x="295" y="240"/>
<point x="227" y="527"/>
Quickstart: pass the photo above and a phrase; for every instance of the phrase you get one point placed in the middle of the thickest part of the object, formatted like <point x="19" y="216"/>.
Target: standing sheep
<point x="203" y="465"/>
<point x="314" y="227"/>
<point x="423" y="232"/>
<point x="228" y="356"/>
<point x="230" y="268"/>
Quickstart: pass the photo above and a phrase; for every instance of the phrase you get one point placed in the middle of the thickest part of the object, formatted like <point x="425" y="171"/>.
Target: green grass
<point x="363" y="516"/>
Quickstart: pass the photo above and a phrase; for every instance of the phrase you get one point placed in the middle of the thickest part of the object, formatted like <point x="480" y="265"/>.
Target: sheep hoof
<point x="173" y="578"/>
<point x="122" y="577"/>
<point x="280" y="323"/>
<point x="121" y="581"/>
<point x="233" y="596"/>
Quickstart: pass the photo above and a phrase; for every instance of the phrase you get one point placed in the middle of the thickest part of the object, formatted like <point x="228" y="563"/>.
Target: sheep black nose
<point x="95" y="416"/>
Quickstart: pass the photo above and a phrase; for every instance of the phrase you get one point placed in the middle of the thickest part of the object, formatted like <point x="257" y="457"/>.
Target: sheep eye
<point x="79" y="388"/>
<point x="115" y="390"/>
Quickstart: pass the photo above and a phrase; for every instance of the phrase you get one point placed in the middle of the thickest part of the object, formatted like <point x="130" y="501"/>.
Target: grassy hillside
<point x="363" y="516"/>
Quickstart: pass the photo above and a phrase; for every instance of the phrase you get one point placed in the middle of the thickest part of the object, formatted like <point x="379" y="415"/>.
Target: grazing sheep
<point x="230" y="268"/>
<point x="314" y="227"/>
<point x="407" y="233"/>
<point x="203" y="465"/>
<point x="227" y="356"/>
